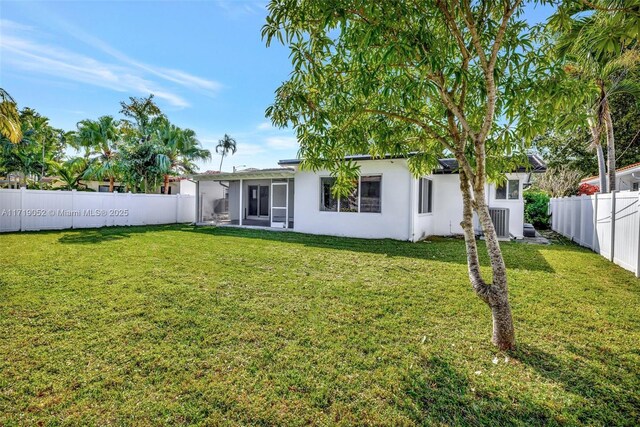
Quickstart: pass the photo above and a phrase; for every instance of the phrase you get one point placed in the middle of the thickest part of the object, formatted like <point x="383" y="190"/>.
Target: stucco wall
<point x="516" y="207"/>
<point x="392" y="222"/>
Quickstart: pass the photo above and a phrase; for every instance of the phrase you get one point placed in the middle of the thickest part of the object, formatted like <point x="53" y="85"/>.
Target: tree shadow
<point x="107" y="234"/>
<point x="597" y="375"/>
<point x="437" y="394"/>
<point x="443" y="249"/>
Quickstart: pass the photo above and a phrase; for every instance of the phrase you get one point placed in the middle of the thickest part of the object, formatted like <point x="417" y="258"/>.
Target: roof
<point x="622" y="169"/>
<point x="269" y="173"/>
<point x="536" y="164"/>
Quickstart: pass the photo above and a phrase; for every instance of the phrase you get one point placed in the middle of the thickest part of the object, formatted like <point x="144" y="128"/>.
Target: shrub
<point x="588" y="189"/>
<point x="536" y="206"/>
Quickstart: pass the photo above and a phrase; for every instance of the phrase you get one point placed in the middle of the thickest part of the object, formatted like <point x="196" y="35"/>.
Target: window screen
<point x="425" y="196"/>
<point x="327" y="201"/>
<point x="370" y="193"/>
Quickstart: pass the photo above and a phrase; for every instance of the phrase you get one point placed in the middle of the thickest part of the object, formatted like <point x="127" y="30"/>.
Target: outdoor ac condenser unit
<point x="500" y="218"/>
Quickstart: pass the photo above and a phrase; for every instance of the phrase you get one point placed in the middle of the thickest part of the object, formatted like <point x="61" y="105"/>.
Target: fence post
<point x="73" y="209"/>
<point x="638" y="239"/>
<point x="594" y="244"/>
<point x="177" y="208"/>
<point x="22" y="195"/>
<point x="613" y="225"/>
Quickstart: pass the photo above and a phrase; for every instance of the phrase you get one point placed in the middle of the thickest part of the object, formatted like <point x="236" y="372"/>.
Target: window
<point x="634" y="186"/>
<point x="370" y="193"/>
<point x="510" y="190"/>
<point x="116" y="188"/>
<point x="350" y="203"/>
<point x="327" y="201"/>
<point x="365" y="196"/>
<point x="425" y="196"/>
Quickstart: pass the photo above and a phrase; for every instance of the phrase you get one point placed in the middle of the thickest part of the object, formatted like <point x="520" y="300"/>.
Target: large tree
<point x="9" y="118"/>
<point x="225" y="146"/>
<point x="182" y="149"/>
<point x="102" y="141"/>
<point x="600" y="50"/>
<point x="426" y="77"/>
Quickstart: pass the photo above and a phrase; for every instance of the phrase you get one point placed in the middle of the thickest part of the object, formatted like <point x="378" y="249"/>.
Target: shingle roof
<point x="536" y="164"/>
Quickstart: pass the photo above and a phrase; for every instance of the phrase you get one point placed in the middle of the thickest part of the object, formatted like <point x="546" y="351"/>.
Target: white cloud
<point x="282" y="142"/>
<point x="264" y="126"/>
<point x="126" y="75"/>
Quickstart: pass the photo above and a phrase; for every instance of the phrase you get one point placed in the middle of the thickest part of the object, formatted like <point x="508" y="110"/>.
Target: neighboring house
<point x="177" y="185"/>
<point x="387" y="203"/>
<point x="627" y="178"/>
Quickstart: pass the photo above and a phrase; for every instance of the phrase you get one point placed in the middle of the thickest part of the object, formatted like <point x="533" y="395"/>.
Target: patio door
<point x="258" y="201"/>
<point x="280" y="204"/>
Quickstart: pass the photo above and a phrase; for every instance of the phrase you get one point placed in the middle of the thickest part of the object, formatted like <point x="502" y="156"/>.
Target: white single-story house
<point x="388" y="202"/>
<point x="627" y="178"/>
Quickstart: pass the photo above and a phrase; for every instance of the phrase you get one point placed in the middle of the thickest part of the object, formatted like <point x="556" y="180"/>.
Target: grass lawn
<point x="178" y="325"/>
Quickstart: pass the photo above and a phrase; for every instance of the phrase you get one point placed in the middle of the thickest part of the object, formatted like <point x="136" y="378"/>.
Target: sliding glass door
<point x="258" y="201"/>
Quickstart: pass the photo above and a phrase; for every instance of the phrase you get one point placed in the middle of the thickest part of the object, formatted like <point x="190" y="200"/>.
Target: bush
<point x="588" y="189"/>
<point x="536" y="206"/>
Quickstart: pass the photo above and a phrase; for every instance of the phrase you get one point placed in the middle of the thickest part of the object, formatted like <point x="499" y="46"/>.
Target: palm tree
<point x="23" y="157"/>
<point x="225" y="146"/>
<point x="101" y="140"/>
<point x="182" y="149"/>
<point x="9" y="118"/>
<point x="71" y="172"/>
<point x="599" y="58"/>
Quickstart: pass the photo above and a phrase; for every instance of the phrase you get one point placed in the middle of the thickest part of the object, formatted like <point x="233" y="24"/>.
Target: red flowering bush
<point x="587" y="189"/>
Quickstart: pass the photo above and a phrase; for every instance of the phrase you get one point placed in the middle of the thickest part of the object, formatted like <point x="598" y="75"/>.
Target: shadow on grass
<point x="595" y="374"/>
<point x="443" y="249"/>
<point x="522" y="257"/>
<point x="437" y="394"/>
<point x="107" y="234"/>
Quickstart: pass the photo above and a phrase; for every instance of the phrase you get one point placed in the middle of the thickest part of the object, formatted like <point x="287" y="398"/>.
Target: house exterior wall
<point x="392" y="222"/>
<point x="516" y="207"/>
<point x="234" y="200"/>
<point x="624" y="179"/>
<point x="399" y="218"/>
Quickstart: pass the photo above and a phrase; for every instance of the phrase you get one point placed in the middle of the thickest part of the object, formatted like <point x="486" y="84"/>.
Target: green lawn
<point x="180" y="325"/>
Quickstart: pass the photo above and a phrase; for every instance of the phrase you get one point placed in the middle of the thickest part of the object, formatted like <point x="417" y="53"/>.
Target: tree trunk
<point x="221" y="159"/>
<point x="166" y="184"/>
<point x="602" y="172"/>
<point x="611" y="145"/>
<point x="111" y="184"/>
<point x="596" y="142"/>
<point x="496" y="294"/>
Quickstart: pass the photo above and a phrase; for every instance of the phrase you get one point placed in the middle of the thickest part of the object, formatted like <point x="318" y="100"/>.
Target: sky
<point x="204" y="60"/>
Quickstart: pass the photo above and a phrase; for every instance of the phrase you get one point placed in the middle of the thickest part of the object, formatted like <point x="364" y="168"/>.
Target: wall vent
<point x="500" y="218"/>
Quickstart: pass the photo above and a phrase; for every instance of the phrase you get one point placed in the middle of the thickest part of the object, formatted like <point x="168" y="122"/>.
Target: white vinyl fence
<point x="27" y="210"/>
<point x="608" y="224"/>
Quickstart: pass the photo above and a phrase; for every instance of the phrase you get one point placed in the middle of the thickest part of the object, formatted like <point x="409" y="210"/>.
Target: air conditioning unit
<point x="500" y="218"/>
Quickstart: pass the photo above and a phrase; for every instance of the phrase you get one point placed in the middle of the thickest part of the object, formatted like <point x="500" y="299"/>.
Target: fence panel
<point x="10" y="204"/>
<point x="609" y="224"/>
<point x="25" y="210"/>
<point x="625" y="251"/>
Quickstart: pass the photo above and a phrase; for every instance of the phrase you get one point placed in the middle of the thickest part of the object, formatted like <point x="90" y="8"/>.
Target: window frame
<point x="420" y="196"/>
<point x="320" y="197"/>
<point x="507" y="193"/>
<point x="359" y="190"/>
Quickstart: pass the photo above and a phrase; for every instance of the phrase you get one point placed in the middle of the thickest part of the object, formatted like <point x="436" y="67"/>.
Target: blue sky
<point x="204" y="60"/>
